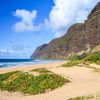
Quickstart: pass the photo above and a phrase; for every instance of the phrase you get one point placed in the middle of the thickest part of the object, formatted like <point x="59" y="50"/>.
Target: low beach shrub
<point x="41" y="70"/>
<point x="90" y="97"/>
<point x="86" y="60"/>
<point x="71" y="63"/>
<point x="24" y="82"/>
<point x="97" y="70"/>
<point x="93" y="58"/>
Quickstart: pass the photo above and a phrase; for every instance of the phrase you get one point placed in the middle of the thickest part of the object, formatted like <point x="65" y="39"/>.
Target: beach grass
<point x="90" y="97"/>
<point x="97" y="70"/>
<point x="86" y="60"/>
<point x="26" y="83"/>
<point x="93" y="58"/>
<point x="71" y="64"/>
<point x="42" y="71"/>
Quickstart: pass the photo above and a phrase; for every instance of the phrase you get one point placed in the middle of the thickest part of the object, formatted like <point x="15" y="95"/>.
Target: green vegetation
<point x="97" y="70"/>
<point x="42" y="71"/>
<point x="90" y="97"/>
<point x="26" y="83"/>
<point x="74" y="60"/>
<point x="85" y="60"/>
<point x="93" y="58"/>
<point x="98" y="62"/>
<point x="71" y="64"/>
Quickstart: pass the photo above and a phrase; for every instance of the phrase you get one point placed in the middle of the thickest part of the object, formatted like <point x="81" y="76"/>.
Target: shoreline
<point x="83" y="82"/>
<point x="31" y="66"/>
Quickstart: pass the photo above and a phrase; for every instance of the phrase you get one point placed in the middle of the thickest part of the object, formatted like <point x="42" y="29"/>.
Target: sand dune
<point x="83" y="82"/>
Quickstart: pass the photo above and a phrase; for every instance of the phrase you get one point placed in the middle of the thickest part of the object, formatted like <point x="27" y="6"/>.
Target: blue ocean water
<point x="5" y="63"/>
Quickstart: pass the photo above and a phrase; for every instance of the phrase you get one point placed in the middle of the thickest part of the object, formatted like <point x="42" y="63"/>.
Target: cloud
<point x="5" y="51"/>
<point x="20" y="47"/>
<point x="27" y="21"/>
<point x="64" y="13"/>
<point x="17" y="50"/>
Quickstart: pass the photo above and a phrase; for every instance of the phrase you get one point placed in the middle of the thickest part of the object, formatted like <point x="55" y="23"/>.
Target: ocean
<point x="5" y="63"/>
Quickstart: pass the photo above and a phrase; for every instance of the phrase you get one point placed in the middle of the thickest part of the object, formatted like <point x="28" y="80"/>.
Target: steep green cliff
<point x="80" y="37"/>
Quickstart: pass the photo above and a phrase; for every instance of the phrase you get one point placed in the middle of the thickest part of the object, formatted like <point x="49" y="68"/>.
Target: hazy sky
<point x="26" y="24"/>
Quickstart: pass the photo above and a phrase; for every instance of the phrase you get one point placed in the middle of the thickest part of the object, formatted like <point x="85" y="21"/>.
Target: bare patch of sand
<point x="83" y="82"/>
<point x="94" y="66"/>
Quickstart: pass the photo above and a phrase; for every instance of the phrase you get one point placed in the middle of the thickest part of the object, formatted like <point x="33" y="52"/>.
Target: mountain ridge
<point x="79" y="37"/>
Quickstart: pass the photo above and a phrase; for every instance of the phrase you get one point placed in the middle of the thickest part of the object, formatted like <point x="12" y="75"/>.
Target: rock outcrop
<point x="79" y="37"/>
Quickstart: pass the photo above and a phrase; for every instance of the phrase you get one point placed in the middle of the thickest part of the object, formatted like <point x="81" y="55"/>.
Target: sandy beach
<point x="83" y="82"/>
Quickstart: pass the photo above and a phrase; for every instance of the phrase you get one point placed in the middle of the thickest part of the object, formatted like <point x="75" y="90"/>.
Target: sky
<point x="26" y="24"/>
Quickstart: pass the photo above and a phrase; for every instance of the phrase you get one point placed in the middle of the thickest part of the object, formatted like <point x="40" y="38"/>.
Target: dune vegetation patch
<point x="97" y="70"/>
<point x="83" y="61"/>
<point x="93" y="58"/>
<point x="90" y="97"/>
<point x="42" y="71"/>
<point x="27" y="83"/>
<point x="71" y="64"/>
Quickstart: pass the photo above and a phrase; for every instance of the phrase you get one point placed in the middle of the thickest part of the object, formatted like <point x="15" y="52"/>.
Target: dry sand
<point x="83" y="82"/>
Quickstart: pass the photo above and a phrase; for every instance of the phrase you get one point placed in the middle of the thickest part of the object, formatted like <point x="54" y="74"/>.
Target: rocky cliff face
<point x="80" y="37"/>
